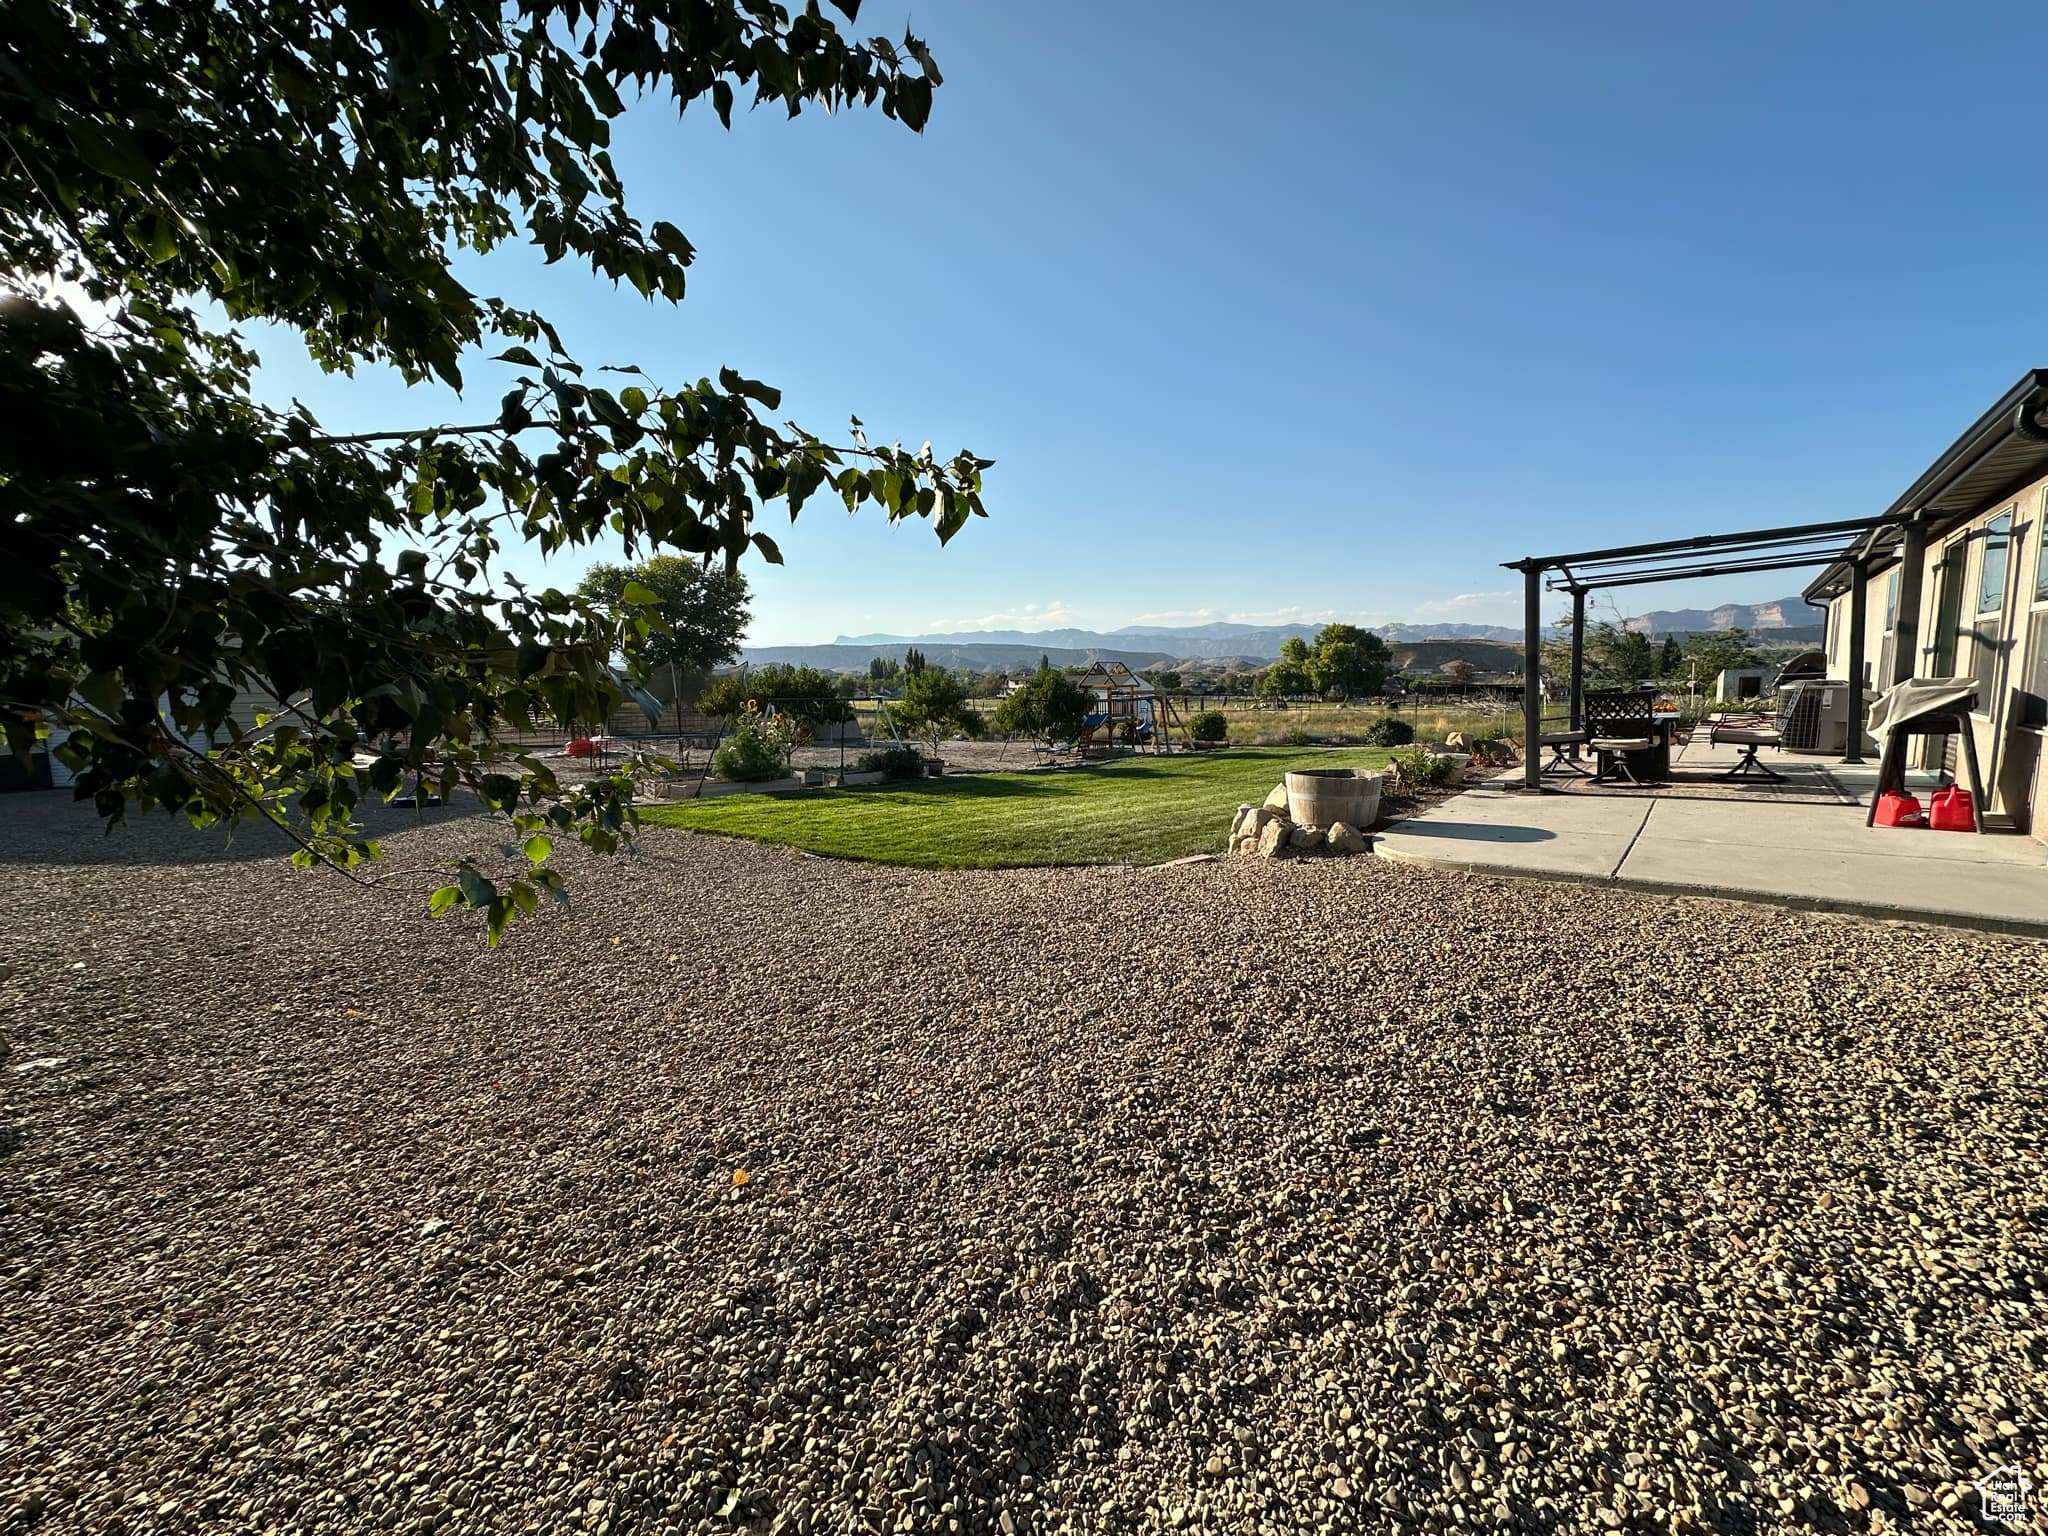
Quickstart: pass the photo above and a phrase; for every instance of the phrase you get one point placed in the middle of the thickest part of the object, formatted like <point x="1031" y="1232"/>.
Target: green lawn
<point x="1141" y="810"/>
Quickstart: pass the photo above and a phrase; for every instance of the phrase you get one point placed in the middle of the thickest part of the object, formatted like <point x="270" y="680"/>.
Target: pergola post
<point x="1906" y="625"/>
<point x="1532" y="674"/>
<point x="1859" y="603"/>
<point x="1578" y="661"/>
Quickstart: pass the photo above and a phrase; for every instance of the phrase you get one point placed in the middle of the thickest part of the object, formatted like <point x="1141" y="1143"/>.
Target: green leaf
<point x="768" y="550"/>
<point x="519" y="355"/>
<point x="443" y="899"/>
<point x="476" y="890"/>
<point x="731" y="380"/>
<point x="538" y="847"/>
<point x="635" y="595"/>
<point x="669" y="240"/>
<point x="103" y="691"/>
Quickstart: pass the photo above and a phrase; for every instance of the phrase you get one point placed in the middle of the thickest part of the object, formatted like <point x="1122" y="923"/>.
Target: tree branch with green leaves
<point x="175" y="546"/>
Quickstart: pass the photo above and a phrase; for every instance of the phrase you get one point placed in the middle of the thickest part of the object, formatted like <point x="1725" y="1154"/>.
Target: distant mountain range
<point x="1785" y="613"/>
<point x="1788" y="619"/>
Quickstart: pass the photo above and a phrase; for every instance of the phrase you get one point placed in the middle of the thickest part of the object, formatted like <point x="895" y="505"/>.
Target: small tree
<point x="935" y="706"/>
<point x="913" y="662"/>
<point x="1671" y="659"/>
<point x="1285" y="679"/>
<point x="725" y="697"/>
<point x="1050" y="707"/>
<point x="804" y="693"/>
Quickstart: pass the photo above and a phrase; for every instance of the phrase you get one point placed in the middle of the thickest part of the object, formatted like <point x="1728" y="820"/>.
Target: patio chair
<point x="1563" y="746"/>
<point x="1618" y="725"/>
<point x="1752" y="732"/>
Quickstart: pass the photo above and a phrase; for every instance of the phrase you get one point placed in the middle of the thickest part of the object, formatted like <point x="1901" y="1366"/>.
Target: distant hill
<point x="1787" y="621"/>
<point x="854" y="657"/>
<point x="1255" y="643"/>
<point x="1786" y="613"/>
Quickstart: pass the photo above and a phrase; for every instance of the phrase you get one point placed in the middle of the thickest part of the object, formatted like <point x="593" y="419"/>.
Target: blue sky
<point x="1330" y="318"/>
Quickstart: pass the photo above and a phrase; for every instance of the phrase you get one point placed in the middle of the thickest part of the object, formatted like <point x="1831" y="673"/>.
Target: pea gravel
<point x="769" y="1193"/>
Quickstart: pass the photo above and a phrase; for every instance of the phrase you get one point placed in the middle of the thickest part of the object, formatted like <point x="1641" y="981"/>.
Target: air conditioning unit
<point x="1816" y="716"/>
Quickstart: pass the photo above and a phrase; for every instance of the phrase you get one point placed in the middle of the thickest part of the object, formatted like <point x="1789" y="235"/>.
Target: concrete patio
<point x="1800" y="843"/>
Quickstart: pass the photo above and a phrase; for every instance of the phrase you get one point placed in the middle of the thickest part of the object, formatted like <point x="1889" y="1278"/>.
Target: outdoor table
<point x="1652" y="764"/>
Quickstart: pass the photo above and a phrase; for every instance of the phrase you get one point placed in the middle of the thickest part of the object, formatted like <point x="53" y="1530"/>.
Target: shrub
<point x="1210" y="725"/>
<point x="1389" y="732"/>
<point x="756" y="748"/>
<point x="1295" y="736"/>
<point x="892" y="762"/>
<point x="1420" y="768"/>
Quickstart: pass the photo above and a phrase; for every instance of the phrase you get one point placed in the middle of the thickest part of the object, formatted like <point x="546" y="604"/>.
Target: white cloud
<point x="1465" y="601"/>
<point x="1292" y="616"/>
<point x="1053" y="615"/>
<point x="1179" y="616"/>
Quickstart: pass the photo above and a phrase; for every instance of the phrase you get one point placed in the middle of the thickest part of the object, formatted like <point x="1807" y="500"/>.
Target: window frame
<point x="1985" y="656"/>
<point x="2035" y="633"/>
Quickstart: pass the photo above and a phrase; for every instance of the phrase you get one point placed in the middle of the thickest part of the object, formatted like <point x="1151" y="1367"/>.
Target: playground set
<point x="1129" y="715"/>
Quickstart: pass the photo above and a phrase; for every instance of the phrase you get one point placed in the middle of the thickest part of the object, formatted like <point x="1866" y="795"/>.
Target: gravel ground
<point x="776" y="1194"/>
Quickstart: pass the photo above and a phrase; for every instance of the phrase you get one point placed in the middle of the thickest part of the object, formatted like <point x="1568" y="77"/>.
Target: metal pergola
<point x="1799" y="547"/>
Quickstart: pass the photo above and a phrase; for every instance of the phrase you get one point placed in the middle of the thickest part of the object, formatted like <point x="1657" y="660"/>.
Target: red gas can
<point x="1896" y="809"/>
<point x="1950" y="810"/>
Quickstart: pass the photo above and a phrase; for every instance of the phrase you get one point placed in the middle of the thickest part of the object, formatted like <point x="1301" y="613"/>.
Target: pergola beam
<point x="1753" y="537"/>
<point x="1641" y="578"/>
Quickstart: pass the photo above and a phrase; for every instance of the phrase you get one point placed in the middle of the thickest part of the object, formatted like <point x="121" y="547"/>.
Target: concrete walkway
<point x="1800" y="844"/>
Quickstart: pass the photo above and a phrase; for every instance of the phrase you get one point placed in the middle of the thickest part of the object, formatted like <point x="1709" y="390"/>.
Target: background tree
<point x="1714" y="652"/>
<point x="1458" y="671"/>
<point x="1049" y="707"/>
<point x="884" y="670"/>
<point x="1348" y="661"/>
<point x="935" y="706"/>
<point x="1671" y="658"/>
<point x="701" y="613"/>
<point x="170" y="541"/>
<point x="913" y="662"/>
<point x="1285" y="679"/>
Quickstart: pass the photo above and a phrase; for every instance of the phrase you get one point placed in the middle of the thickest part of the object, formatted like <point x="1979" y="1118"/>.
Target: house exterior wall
<point x="1995" y="630"/>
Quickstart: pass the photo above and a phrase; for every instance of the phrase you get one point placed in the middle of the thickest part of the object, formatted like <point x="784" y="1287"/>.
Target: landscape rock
<point x="1345" y="838"/>
<point x="1273" y="840"/>
<point x="1306" y="839"/>
<point x="1276" y="802"/>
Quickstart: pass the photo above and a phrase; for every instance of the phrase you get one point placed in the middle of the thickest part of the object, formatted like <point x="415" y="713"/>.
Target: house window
<point x="1991" y="574"/>
<point x="2033" y="699"/>
<point x="2041" y="554"/>
<point x="1887" y="647"/>
<point x="1948" y="609"/>
<point x="1988" y="631"/>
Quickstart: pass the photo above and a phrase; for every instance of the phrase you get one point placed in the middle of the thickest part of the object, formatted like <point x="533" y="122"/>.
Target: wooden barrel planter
<point x="1317" y="797"/>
